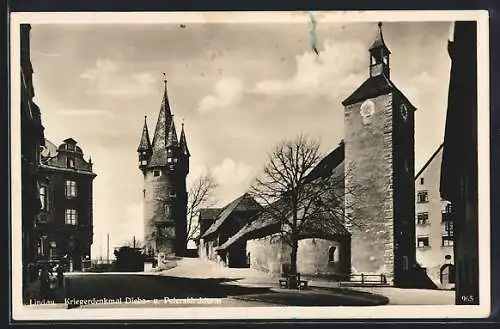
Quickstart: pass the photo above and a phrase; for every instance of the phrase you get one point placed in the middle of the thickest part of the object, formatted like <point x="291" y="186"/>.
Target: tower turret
<point x="144" y="148"/>
<point x="165" y="195"/>
<point x="184" y="154"/>
<point x="379" y="55"/>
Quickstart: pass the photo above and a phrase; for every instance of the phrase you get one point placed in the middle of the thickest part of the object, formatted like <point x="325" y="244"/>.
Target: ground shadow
<point x="151" y="287"/>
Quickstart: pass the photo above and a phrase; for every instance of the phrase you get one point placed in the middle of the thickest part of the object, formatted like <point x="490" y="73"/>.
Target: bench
<point x="293" y="281"/>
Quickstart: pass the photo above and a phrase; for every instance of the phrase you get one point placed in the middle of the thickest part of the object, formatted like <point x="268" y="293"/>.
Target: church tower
<point x="379" y="153"/>
<point x="164" y="162"/>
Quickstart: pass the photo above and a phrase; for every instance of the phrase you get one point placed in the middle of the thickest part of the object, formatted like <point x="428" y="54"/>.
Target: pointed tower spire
<point x="183" y="142"/>
<point x="379" y="55"/>
<point x="145" y="144"/>
<point x="172" y="135"/>
<point x="164" y="103"/>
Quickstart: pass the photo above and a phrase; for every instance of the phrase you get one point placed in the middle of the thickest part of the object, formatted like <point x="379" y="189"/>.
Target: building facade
<point x="32" y="138"/>
<point x="459" y="173"/>
<point x="434" y="225"/>
<point x="164" y="163"/>
<point x="379" y="141"/>
<point x="64" y="226"/>
<point x="228" y="222"/>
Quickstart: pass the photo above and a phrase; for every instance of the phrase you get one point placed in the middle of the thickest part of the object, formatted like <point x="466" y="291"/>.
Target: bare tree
<point x="200" y="195"/>
<point x="134" y="243"/>
<point x="299" y="197"/>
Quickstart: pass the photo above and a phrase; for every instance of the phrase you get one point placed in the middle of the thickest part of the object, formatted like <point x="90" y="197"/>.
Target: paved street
<point x="196" y="282"/>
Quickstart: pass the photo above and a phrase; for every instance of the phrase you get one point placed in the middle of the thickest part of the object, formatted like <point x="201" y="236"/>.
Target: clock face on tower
<point x="404" y="112"/>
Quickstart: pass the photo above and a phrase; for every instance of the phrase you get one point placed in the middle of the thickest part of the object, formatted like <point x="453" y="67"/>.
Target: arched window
<point x="331" y="254"/>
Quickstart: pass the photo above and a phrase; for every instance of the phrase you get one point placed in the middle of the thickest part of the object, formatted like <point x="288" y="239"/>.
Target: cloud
<point x="334" y="71"/>
<point x="85" y="112"/>
<point x="233" y="177"/>
<point x="110" y="78"/>
<point x="226" y="92"/>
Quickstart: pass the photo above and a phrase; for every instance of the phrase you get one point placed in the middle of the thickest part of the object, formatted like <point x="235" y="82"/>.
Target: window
<point x="447" y="209"/>
<point x="157" y="173"/>
<point x="143" y="162"/>
<point x="71" y="217"/>
<point x="175" y="160"/>
<point x="331" y="254"/>
<point x="70" y="189"/>
<point x="71" y="163"/>
<point x="172" y="194"/>
<point x="70" y="147"/>
<point x="422" y="181"/>
<point x="449" y="228"/>
<point x="422" y="196"/>
<point x="41" y="243"/>
<point x="423" y="218"/>
<point x="447" y="241"/>
<point x="169" y="160"/>
<point x="167" y="210"/>
<point x="43" y="198"/>
<point x="423" y="242"/>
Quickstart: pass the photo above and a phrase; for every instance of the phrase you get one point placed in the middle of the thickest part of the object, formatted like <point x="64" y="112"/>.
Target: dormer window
<point x="70" y="147"/>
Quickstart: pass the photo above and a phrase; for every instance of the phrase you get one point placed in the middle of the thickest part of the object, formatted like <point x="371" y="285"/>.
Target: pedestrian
<point x="44" y="282"/>
<point x="60" y="275"/>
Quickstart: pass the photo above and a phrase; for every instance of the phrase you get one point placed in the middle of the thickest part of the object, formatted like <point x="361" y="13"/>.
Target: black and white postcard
<point x="250" y="165"/>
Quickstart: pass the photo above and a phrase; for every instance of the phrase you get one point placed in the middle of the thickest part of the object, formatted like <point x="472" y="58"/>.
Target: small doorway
<point x="447" y="274"/>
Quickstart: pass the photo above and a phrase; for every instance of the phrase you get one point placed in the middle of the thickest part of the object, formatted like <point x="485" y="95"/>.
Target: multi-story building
<point x="64" y="227"/>
<point x="434" y="225"/>
<point x="32" y="138"/>
<point x="164" y="163"/>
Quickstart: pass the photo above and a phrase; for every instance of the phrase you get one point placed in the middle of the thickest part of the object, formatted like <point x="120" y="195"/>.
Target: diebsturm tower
<point x="164" y="163"/>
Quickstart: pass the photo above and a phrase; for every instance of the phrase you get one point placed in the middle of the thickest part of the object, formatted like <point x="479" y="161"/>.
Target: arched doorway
<point x="447" y="274"/>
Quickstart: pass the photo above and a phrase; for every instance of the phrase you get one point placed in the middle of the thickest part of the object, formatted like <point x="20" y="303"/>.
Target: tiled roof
<point x="324" y="226"/>
<point x="209" y="213"/>
<point x="183" y="143"/>
<point x="373" y="87"/>
<point x="145" y="143"/>
<point x="243" y="203"/>
<point x="328" y="164"/>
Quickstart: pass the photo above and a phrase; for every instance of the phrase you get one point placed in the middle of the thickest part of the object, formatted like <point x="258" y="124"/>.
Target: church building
<point x="164" y="162"/>
<point x="379" y="154"/>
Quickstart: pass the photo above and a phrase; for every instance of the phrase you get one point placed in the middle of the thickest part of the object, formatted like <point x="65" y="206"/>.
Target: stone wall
<point x="369" y="162"/>
<point x="269" y="253"/>
<point x="156" y="198"/>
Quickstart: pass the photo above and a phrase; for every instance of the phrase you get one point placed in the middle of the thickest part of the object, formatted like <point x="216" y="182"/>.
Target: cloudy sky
<point x="239" y="88"/>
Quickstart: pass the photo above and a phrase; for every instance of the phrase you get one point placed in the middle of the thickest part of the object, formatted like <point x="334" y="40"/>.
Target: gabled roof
<point x="430" y="160"/>
<point x="328" y="164"/>
<point x="373" y="87"/>
<point x="264" y="224"/>
<point x="209" y="213"/>
<point x="243" y="203"/>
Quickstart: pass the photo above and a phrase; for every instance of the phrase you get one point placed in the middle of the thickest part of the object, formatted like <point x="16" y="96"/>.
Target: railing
<point x="365" y="279"/>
